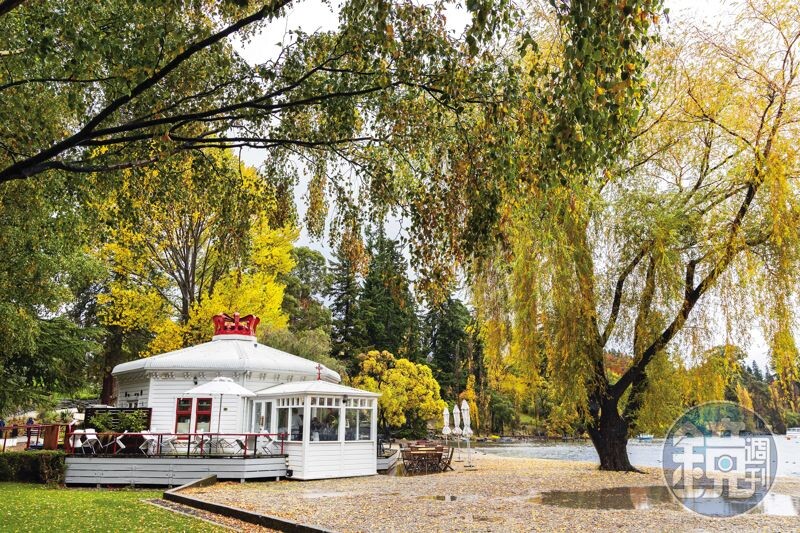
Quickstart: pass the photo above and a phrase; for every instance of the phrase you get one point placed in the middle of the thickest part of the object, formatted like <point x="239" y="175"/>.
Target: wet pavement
<point x="658" y="496"/>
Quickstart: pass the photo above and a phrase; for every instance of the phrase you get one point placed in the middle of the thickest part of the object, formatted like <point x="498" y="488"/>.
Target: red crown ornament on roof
<point x="226" y="324"/>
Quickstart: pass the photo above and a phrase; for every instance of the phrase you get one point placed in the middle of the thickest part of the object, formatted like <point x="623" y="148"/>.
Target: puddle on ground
<point x="659" y="496"/>
<point x="450" y="498"/>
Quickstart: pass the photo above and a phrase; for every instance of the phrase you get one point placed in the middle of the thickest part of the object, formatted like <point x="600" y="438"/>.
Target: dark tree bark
<point x="609" y="436"/>
<point x="112" y="356"/>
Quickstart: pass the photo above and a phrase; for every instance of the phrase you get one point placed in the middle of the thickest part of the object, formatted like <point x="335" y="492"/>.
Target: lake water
<point x="640" y="453"/>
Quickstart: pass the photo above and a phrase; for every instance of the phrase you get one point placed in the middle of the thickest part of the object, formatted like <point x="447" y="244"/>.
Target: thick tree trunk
<point x="111" y="358"/>
<point x="609" y="435"/>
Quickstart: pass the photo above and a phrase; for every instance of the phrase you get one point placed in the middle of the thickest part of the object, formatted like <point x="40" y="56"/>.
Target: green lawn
<point x="29" y="507"/>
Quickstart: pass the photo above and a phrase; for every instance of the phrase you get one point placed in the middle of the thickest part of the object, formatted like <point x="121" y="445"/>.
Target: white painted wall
<point x="294" y="461"/>
<point x="339" y="459"/>
<point x="137" y="388"/>
<point x="165" y="391"/>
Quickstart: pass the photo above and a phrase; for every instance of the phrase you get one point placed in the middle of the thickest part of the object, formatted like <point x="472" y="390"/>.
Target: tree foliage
<point x="445" y="327"/>
<point x="43" y="268"/>
<point x="409" y="392"/>
<point x="386" y="305"/>
<point x="308" y="283"/>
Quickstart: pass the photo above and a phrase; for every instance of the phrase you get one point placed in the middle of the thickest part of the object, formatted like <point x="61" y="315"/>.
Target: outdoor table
<point x="427" y="460"/>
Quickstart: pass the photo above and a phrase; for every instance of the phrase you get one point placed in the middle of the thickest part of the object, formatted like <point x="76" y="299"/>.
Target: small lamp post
<point x="467" y="431"/>
<point x="457" y="430"/>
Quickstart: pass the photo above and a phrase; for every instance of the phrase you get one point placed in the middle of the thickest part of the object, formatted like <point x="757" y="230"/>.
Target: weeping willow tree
<point x="688" y="229"/>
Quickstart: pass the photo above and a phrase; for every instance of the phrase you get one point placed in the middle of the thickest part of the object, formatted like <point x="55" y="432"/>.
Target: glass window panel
<point x="267" y="425"/>
<point x="182" y="423"/>
<point x="283" y="420"/>
<point x="364" y="424"/>
<point x="203" y="423"/>
<point x="296" y="417"/>
<point x="351" y="424"/>
<point x="258" y="417"/>
<point x="324" y="424"/>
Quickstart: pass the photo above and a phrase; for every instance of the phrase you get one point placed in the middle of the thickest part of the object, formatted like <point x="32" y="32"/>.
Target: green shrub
<point x="48" y="417"/>
<point x="102" y="422"/>
<point x="46" y="466"/>
<point x="792" y="419"/>
<point x="133" y="421"/>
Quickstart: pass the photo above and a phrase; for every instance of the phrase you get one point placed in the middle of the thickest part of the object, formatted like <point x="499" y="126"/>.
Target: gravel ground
<point x="499" y="494"/>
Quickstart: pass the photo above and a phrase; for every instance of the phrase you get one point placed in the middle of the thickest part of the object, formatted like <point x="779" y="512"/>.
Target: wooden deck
<point x="169" y="471"/>
<point x="387" y="461"/>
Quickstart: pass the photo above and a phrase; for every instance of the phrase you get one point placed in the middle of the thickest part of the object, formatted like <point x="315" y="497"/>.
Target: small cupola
<point x="235" y="327"/>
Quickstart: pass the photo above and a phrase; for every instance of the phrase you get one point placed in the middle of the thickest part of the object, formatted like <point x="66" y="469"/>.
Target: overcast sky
<point x="313" y="15"/>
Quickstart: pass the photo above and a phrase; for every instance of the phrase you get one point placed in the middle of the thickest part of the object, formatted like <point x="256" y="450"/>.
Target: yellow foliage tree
<point x="409" y="393"/>
<point x="471" y="396"/>
<point x="188" y="238"/>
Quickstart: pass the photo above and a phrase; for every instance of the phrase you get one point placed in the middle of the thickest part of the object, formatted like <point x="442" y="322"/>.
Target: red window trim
<point x="179" y="411"/>
<point x="198" y="412"/>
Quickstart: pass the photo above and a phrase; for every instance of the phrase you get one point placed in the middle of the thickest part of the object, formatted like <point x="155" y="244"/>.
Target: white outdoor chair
<point x="238" y="446"/>
<point x="110" y="447"/>
<point x="169" y="442"/>
<point x="201" y="443"/>
<point x="268" y="445"/>
<point x="149" y="444"/>
<point x="76" y="440"/>
<point x="92" y="440"/>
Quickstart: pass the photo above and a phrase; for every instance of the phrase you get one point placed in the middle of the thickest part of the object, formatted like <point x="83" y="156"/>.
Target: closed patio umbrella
<point x="446" y="427"/>
<point x="467" y="429"/>
<point x="221" y="386"/>
<point x="457" y="429"/>
<point x="465" y="415"/>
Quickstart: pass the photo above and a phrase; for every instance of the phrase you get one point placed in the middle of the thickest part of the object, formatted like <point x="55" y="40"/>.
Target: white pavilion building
<point x="331" y="429"/>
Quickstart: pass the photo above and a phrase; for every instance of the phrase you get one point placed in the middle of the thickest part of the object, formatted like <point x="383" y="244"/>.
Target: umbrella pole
<point x="219" y="415"/>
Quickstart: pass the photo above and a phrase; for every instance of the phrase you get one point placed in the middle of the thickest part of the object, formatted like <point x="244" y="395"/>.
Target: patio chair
<point x="76" y="441"/>
<point x="240" y="447"/>
<point x="268" y="445"/>
<point x="411" y="462"/>
<point x="447" y="458"/>
<point x="150" y="442"/>
<point x="169" y="442"/>
<point x="92" y="441"/>
<point x="116" y="445"/>
<point x="200" y="443"/>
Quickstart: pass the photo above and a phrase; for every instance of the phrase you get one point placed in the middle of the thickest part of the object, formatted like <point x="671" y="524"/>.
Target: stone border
<point x="268" y="521"/>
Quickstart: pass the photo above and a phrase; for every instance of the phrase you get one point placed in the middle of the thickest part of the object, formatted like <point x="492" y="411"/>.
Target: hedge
<point x="46" y="466"/>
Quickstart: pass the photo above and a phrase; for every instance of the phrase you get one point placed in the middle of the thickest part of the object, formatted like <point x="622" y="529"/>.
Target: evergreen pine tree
<point x="757" y="372"/>
<point x="446" y="344"/>
<point x="347" y="329"/>
<point x="306" y="286"/>
<point x="386" y="305"/>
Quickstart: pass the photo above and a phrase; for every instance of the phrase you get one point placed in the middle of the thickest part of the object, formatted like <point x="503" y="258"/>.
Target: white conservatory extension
<point x="330" y="430"/>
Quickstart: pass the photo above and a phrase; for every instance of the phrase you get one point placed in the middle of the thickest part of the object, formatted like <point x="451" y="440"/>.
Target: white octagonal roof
<point x="232" y="353"/>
